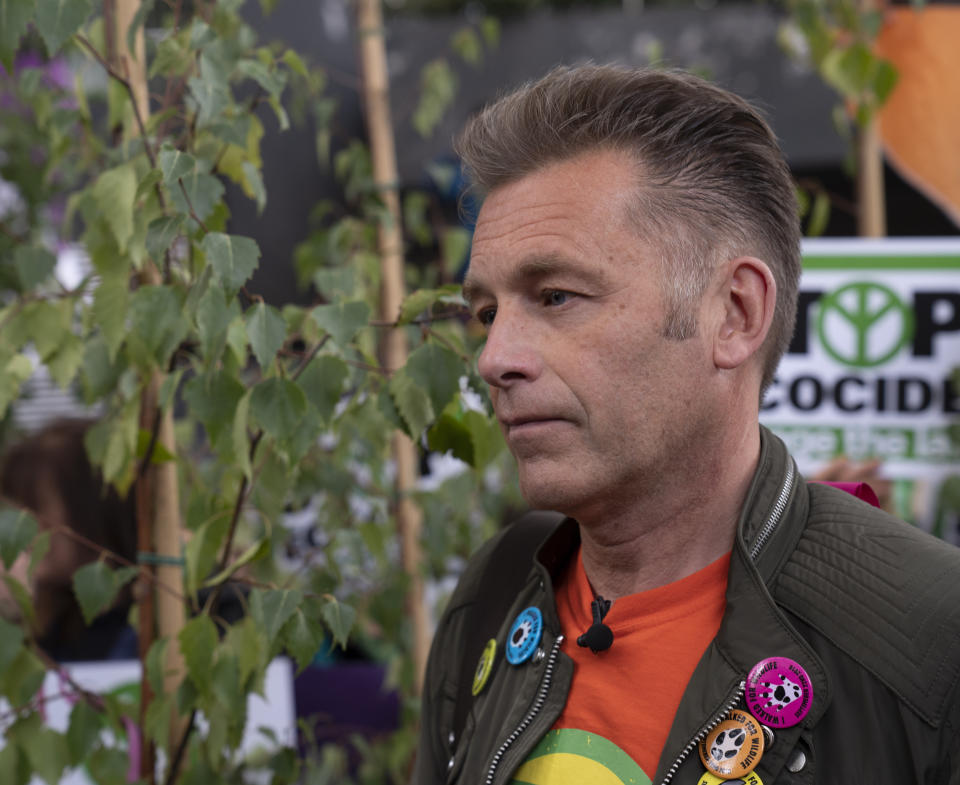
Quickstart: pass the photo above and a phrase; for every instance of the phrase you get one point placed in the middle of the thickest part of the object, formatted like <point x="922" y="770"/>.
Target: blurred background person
<point x="50" y="475"/>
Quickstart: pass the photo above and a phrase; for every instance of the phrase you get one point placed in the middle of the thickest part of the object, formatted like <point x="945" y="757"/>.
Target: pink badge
<point x="779" y="692"/>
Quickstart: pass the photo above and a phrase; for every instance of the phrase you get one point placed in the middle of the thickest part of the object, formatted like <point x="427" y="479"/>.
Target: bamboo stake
<point x="159" y="498"/>
<point x="871" y="204"/>
<point x="376" y="96"/>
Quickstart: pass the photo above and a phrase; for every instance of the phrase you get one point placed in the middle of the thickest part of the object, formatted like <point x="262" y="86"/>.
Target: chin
<point x="560" y="493"/>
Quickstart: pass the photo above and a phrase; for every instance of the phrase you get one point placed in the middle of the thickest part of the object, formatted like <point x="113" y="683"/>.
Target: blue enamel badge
<point x="524" y="635"/>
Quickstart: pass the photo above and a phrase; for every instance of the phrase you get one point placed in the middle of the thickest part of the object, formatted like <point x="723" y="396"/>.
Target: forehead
<point x="573" y="213"/>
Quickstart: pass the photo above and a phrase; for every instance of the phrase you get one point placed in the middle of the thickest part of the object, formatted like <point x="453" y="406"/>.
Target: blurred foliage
<point x="284" y="415"/>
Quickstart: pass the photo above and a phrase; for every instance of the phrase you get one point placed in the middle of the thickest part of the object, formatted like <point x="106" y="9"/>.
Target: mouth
<point x="516" y="425"/>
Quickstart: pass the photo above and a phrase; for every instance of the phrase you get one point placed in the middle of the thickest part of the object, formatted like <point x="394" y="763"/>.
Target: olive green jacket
<point x="868" y="605"/>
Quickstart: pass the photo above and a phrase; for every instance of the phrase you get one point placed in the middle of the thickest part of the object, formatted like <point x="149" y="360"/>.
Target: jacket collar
<point x="753" y="627"/>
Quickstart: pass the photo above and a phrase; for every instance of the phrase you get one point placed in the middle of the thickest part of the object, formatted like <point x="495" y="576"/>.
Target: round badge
<point x="524" y="635"/>
<point x="734" y="747"/>
<point x="751" y="778"/>
<point x="779" y="692"/>
<point x="484" y="667"/>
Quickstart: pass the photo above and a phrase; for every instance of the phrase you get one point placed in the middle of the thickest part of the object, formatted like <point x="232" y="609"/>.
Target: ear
<point x="748" y="294"/>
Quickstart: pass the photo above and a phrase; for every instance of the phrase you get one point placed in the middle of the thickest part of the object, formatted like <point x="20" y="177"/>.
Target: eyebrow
<point x="530" y="269"/>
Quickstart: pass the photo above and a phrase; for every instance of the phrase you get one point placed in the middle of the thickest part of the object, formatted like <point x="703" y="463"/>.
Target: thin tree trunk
<point x="376" y="94"/>
<point x="158" y="495"/>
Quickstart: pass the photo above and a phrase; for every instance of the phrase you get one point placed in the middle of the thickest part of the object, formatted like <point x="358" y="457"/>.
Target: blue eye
<point x="555" y="297"/>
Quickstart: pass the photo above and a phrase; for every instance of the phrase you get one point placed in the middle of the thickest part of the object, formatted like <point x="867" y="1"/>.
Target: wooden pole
<point x="376" y="98"/>
<point x="871" y="202"/>
<point x="158" y="496"/>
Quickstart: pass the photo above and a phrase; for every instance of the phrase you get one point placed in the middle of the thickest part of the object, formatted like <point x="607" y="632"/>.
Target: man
<point x="701" y="613"/>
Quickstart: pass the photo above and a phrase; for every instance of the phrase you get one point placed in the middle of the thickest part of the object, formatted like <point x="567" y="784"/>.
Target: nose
<point x="510" y="354"/>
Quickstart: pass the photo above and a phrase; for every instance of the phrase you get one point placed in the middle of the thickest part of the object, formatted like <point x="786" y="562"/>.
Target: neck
<point x="682" y="524"/>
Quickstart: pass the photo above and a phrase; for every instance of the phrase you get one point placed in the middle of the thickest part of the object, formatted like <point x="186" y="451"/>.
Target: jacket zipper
<point x="705" y="731"/>
<point x="773" y="520"/>
<point x="778" y="507"/>
<point x="538" y="702"/>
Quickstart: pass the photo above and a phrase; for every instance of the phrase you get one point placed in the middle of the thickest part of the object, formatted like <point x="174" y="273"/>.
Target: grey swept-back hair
<point x="712" y="182"/>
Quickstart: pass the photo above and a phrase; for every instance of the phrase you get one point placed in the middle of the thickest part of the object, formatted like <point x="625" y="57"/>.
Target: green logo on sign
<point x="864" y="324"/>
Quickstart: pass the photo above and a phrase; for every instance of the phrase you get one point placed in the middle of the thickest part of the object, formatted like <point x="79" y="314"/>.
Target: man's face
<point x="595" y="403"/>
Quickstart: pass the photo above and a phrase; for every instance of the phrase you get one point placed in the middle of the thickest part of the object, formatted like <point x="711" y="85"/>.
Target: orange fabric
<point x="921" y="119"/>
<point x="629" y="693"/>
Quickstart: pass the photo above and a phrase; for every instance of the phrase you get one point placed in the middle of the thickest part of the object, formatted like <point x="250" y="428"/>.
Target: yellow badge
<point x="484" y="667"/>
<point x="750" y="778"/>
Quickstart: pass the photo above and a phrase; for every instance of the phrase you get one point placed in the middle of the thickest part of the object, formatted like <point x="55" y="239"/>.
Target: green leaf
<point x="157" y="664"/>
<point x="302" y="639"/>
<point x="412" y="402"/>
<point x="161" y="233"/>
<point x="21" y="597"/>
<point x="278" y="405"/>
<point x="11" y="639"/>
<point x="339" y="620"/>
<point x="227" y="689"/>
<point x="455" y="249"/>
<point x="48" y="754"/>
<point x="96" y="585"/>
<point x="271" y="81"/>
<point x="210" y="90"/>
<point x="425" y="299"/>
<point x="281" y="114"/>
<point x="213" y="319"/>
<point x="450" y="433"/>
<point x="108" y="766"/>
<point x="438" y="88"/>
<point x="83" y="731"/>
<point x="253" y="179"/>
<point x="486" y="436"/>
<point x="342" y="320"/>
<point x="234" y="258"/>
<point x="437" y="370"/>
<point x="819" y="215"/>
<point x="199" y="191"/>
<point x="259" y="550"/>
<point x="323" y="381"/>
<point x="294" y="63"/>
<point x="157" y="322"/>
<point x="57" y="20"/>
<point x="175" y="164"/>
<point x="157" y="721"/>
<point x="490" y="30"/>
<point x="466" y="43"/>
<point x="198" y="639"/>
<point x="267" y="331"/>
<point x="98" y="374"/>
<point x="202" y="550"/>
<point x="241" y="419"/>
<point x="17" y="530"/>
<point x="16" y="371"/>
<point x="271" y="608"/>
<point x="34" y="264"/>
<point x="110" y="302"/>
<point x="114" y="194"/>
<point x="64" y="363"/>
<point x="14" y="16"/>
<point x="22" y="677"/>
<point x="213" y="399"/>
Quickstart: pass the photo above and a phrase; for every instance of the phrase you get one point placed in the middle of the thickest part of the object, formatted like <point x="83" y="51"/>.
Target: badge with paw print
<point x="734" y="748"/>
<point x="779" y="692"/>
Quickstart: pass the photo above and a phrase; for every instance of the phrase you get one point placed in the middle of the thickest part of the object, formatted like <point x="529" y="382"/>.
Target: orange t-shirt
<point x="622" y="701"/>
